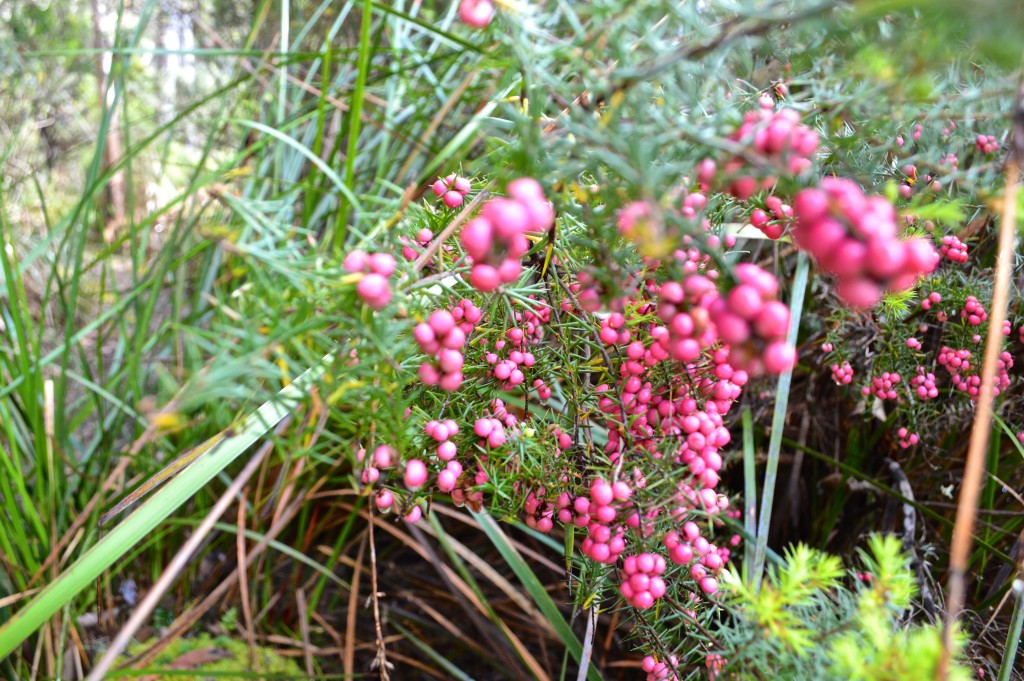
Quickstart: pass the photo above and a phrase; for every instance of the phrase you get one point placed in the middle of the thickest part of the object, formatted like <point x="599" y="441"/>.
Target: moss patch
<point x="206" y="657"/>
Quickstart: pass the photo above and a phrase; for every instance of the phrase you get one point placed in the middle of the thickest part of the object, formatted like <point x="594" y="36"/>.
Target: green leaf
<point x="144" y="520"/>
<point x="534" y="588"/>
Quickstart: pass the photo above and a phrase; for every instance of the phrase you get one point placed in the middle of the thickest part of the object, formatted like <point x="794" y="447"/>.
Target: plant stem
<point x="796" y="304"/>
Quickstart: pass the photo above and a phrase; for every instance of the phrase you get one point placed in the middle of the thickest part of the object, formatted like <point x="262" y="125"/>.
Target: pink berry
<point x="508" y="216"/>
<point x="415" y="474"/>
<point x="446" y="481"/>
<point x="484" y="278"/>
<point x="601" y="493"/>
<point x="778" y="357"/>
<point x="355" y="261"/>
<point x="383" y="456"/>
<point x="773" y="320"/>
<point x="382" y="264"/>
<point x="478" y="238"/>
<point x="476" y="13"/>
<point x="374" y="290"/>
<point x="708" y="585"/>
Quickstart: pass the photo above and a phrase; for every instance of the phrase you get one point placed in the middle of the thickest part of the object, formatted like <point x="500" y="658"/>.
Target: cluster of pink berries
<point x="543" y="391"/>
<point x="604" y="542"/>
<point x="443" y="335"/>
<point x="955" y="360"/>
<point x="883" y="387"/>
<point x="777" y="135"/>
<point x="924" y="385"/>
<point x="957" y="363"/>
<point x="954" y="249"/>
<point x="987" y="144"/>
<point x="642" y="584"/>
<point x="452" y="190"/>
<point x="715" y="663"/>
<point x="510" y="370"/>
<point x="907" y="439"/>
<point x="781" y="212"/>
<point x="842" y="374"/>
<point x="476" y="13"/>
<point x="446" y="451"/>
<point x="496" y="239"/>
<point x="660" y="671"/>
<point x="613" y="331"/>
<point x="854" y="237"/>
<point x="682" y="549"/>
<point x="687" y="330"/>
<point x="492" y="428"/>
<point x="414" y="477"/>
<point x="540" y="514"/>
<point x="910" y="181"/>
<point x="373" y="287"/>
<point x="933" y="298"/>
<point x="973" y="311"/>
<point x="532" y="320"/>
<point x="383" y="458"/>
<point x="751" y="313"/>
<point x="950" y="160"/>
<point x="693" y="203"/>
<point x="423" y="238"/>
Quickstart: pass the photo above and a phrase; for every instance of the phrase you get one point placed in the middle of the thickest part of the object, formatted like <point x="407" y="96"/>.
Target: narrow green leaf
<point x="796" y="306"/>
<point x="150" y="514"/>
<point x="534" y="588"/>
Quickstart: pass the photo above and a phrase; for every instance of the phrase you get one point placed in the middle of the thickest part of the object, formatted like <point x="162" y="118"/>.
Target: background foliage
<point x="182" y="181"/>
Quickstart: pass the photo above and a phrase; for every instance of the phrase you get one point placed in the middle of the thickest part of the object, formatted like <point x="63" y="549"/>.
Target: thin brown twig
<point x="348" y="664"/>
<point x="381" y="660"/>
<point x="184" y="622"/>
<point x="243" y="582"/>
<point x="626" y="435"/>
<point x="463" y="215"/>
<point x="307" y="646"/>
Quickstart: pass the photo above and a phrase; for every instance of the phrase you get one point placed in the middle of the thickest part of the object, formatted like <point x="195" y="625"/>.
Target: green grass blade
<point x="534" y="587"/>
<point x="150" y="514"/>
<point x="437" y="657"/>
<point x="1013" y="635"/>
<point x="796" y="306"/>
<point x="313" y="158"/>
<point x="749" y="492"/>
<point x="1013" y="437"/>
<point x="355" y="121"/>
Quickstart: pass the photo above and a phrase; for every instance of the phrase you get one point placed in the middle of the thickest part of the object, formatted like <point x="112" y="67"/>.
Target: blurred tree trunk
<point x="112" y="208"/>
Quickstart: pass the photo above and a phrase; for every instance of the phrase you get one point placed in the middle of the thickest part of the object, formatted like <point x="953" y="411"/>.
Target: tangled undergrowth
<point x="678" y="316"/>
